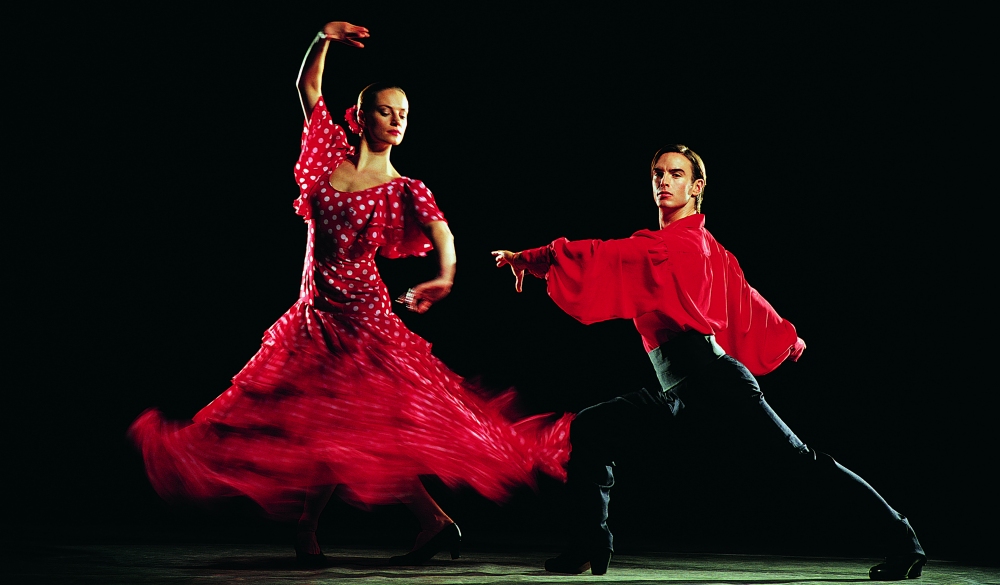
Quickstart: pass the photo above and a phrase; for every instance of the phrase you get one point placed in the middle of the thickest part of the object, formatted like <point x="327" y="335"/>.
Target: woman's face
<point x="386" y="122"/>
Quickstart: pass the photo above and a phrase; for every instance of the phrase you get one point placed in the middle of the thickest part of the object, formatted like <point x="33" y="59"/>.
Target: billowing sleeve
<point x="673" y="282"/>
<point x="755" y="334"/>
<point x="408" y="213"/>
<point x="324" y="147"/>
<point x="598" y="280"/>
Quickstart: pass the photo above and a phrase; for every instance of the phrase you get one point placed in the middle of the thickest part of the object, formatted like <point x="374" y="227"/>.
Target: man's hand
<point x="512" y="259"/>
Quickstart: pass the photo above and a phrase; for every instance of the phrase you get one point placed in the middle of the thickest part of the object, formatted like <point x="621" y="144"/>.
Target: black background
<point x="152" y="241"/>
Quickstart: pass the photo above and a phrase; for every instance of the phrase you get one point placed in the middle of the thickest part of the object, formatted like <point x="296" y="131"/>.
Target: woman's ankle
<point x="305" y="542"/>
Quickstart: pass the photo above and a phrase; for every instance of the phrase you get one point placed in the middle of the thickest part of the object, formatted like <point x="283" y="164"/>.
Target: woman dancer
<point x="341" y="394"/>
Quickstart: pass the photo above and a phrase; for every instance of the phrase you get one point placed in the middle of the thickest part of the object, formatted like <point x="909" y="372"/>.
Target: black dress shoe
<point x="899" y="567"/>
<point x="449" y="538"/>
<point x="574" y="562"/>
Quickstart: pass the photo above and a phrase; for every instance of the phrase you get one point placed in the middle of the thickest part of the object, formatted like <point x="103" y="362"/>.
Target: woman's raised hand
<point x="508" y="258"/>
<point x="345" y="32"/>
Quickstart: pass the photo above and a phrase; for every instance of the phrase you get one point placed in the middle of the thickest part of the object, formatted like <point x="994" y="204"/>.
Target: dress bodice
<point x="346" y="229"/>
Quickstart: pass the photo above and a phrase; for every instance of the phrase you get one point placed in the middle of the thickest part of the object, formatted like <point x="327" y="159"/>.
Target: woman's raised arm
<point x="310" y="80"/>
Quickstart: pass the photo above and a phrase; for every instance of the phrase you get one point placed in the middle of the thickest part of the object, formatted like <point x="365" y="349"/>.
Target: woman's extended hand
<point x="420" y="298"/>
<point x="345" y="32"/>
<point x="508" y="258"/>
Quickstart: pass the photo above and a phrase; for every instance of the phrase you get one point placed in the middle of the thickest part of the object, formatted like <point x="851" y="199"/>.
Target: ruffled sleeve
<point x="324" y="147"/>
<point x="410" y="209"/>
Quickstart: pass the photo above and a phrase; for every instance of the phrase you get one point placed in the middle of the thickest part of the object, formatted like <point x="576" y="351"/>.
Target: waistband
<point x="682" y="356"/>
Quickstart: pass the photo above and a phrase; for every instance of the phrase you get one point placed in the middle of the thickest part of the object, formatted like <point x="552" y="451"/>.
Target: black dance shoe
<point x="899" y="567"/>
<point x="574" y="562"/>
<point x="449" y="538"/>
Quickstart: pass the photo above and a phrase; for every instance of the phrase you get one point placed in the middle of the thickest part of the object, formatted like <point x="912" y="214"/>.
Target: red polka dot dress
<point x="341" y="392"/>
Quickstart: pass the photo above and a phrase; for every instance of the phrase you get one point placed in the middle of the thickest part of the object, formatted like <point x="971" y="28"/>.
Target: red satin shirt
<point x="674" y="279"/>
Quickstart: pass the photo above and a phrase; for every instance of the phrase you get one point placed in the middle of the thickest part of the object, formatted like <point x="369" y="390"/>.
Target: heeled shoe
<point x="449" y="538"/>
<point x="574" y="562"/>
<point x="899" y="567"/>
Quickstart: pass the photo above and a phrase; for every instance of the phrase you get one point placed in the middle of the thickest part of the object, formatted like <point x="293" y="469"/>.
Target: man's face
<point x="673" y="184"/>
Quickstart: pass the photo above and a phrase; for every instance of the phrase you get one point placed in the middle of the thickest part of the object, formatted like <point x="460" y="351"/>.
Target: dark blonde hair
<point x="697" y="167"/>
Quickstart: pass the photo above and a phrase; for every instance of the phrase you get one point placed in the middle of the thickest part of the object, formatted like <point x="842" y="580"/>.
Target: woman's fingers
<point x="355" y="32"/>
<point x="346" y="33"/>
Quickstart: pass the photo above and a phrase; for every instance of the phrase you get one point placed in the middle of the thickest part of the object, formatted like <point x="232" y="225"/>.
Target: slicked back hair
<point x="697" y="167"/>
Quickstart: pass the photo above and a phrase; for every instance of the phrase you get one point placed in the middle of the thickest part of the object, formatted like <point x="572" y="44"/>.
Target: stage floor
<point x="270" y="564"/>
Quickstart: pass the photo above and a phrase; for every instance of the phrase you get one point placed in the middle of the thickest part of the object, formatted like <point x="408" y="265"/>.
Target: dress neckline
<point x="389" y="182"/>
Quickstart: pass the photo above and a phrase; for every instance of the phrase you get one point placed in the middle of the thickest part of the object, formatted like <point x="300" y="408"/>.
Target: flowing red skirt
<point x="330" y="401"/>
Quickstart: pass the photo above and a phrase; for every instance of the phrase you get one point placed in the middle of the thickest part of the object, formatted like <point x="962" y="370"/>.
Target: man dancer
<point x="707" y="333"/>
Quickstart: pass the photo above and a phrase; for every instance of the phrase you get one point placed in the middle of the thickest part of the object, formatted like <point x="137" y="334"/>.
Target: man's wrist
<point x="534" y="260"/>
<point x="517" y="261"/>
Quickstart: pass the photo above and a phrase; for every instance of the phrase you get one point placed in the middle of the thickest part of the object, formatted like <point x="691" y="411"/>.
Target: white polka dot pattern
<point x="341" y="391"/>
